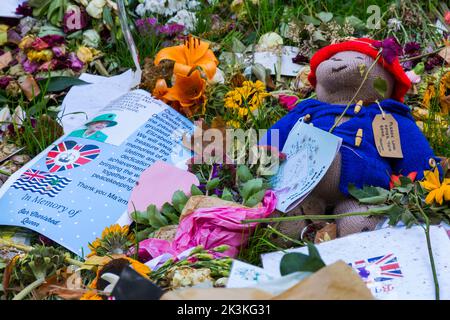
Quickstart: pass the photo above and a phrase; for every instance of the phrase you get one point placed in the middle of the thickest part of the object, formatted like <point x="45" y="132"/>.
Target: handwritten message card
<point x="310" y="152"/>
<point x="82" y="183"/>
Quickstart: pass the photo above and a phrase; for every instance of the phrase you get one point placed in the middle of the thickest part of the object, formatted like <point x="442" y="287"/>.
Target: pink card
<point x="157" y="185"/>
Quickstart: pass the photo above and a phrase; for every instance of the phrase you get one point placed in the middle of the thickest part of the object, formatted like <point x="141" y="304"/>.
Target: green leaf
<point x="144" y="234"/>
<point x="380" y="85"/>
<point x="355" y="22"/>
<point x="325" y="16"/>
<point x="254" y="199"/>
<point x="57" y="84"/>
<point x="227" y="195"/>
<point x="295" y="261"/>
<point x="140" y="217"/>
<point x="251" y="187"/>
<point x="243" y="173"/>
<point x="170" y="212"/>
<point x="311" y="20"/>
<point x="3" y="99"/>
<point x="318" y="36"/>
<point x="212" y="184"/>
<point x="156" y="219"/>
<point x="179" y="200"/>
<point x="195" y="191"/>
<point x="369" y="194"/>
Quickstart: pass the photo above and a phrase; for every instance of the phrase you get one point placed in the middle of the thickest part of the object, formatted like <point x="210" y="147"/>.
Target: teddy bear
<point x="337" y="72"/>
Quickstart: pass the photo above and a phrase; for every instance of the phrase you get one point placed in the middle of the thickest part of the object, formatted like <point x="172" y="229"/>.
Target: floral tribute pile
<point x="198" y="57"/>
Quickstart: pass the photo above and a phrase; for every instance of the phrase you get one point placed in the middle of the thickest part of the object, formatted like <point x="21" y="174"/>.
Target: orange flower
<point x="190" y="55"/>
<point x="188" y="91"/>
<point x="91" y="295"/>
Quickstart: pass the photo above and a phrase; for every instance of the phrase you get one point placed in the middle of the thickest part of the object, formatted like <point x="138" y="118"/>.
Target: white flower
<point x="140" y="10"/>
<point x="394" y="24"/>
<point x="185" y="18"/>
<point x="270" y="40"/>
<point x="91" y="38"/>
<point x="95" y="8"/>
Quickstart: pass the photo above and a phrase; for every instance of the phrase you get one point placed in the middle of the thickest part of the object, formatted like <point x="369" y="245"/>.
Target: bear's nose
<point x="338" y="68"/>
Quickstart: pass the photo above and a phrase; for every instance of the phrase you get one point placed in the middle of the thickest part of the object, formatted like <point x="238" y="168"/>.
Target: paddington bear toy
<point x="337" y="72"/>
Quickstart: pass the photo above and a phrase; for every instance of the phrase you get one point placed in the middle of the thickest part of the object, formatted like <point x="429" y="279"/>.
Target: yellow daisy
<point x="438" y="192"/>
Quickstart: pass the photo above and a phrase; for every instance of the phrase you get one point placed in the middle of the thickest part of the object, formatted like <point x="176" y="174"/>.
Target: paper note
<point x="169" y="180"/>
<point x="280" y="61"/>
<point x="82" y="182"/>
<point x="310" y="152"/>
<point x="393" y="262"/>
<point x="83" y="102"/>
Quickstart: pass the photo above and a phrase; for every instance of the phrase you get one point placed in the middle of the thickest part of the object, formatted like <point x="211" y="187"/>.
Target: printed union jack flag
<point x="69" y="154"/>
<point x="376" y="269"/>
<point x="41" y="182"/>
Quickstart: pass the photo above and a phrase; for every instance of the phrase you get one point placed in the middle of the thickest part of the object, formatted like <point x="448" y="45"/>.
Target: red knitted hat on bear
<point x="365" y="46"/>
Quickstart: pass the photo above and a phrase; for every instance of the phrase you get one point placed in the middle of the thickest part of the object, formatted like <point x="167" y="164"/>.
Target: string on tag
<point x="383" y="114"/>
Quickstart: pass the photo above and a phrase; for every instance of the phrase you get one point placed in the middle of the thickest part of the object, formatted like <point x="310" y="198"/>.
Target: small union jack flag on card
<point x="377" y="269"/>
<point x="41" y="182"/>
<point x="69" y="155"/>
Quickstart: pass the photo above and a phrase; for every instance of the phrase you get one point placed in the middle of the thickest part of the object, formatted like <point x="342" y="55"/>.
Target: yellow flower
<point x="115" y="240"/>
<point x="26" y="42"/>
<point x="437" y="191"/>
<point x="140" y="268"/>
<point x="91" y="295"/>
<point x="441" y="93"/>
<point x="234" y="124"/>
<point x="87" y="55"/>
<point x="247" y="98"/>
<point x="43" y="55"/>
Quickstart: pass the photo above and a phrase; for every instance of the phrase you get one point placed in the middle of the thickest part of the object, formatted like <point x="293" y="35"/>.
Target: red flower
<point x="289" y="102"/>
<point x="395" y="179"/>
<point x="447" y="17"/>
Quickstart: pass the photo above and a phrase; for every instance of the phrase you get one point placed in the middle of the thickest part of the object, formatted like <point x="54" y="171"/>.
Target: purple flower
<point x="75" y="19"/>
<point x="14" y="37"/>
<point x="433" y="61"/>
<point x="300" y="58"/>
<point x="4" y="82"/>
<point x="59" y="51"/>
<point x="53" y="40"/>
<point x="146" y="25"/>
<point x="412" y="48"/>
<point x="24" y="9"/>
<point x="390" y="49"/>
<point x="170" y="29"/>
<point x="75" y="63"/>
<point x="29" y="66"/>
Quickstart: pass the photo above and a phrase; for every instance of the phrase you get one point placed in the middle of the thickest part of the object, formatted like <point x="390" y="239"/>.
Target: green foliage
<point x="404" y="203"/>
<point x="299" y="262"/>
<point x="57" y="84"/>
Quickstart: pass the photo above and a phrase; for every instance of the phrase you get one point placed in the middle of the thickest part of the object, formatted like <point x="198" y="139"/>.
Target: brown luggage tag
<point x="387" y="136"/>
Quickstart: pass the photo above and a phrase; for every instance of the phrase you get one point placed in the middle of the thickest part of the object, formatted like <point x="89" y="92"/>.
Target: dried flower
<point x="91" y="38"/>
<point x="75" y="63"/>
<point x="4" y="82"/>
<point x="390" y="49"/>
<point x="24" y="10"/>
<point x="44" y="55"/>
<point x="412" y="48"/>
<point x="95" y="8"/>
<point x="288" y="102"/>
<point x="30" y="66"/>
